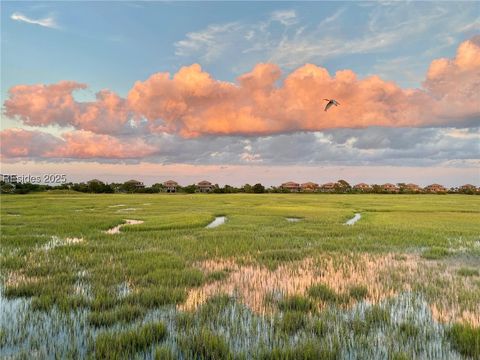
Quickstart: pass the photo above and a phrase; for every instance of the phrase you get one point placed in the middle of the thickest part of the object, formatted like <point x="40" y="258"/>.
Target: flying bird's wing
<point x="328" y="106"/>
<point x="326" y="99"/>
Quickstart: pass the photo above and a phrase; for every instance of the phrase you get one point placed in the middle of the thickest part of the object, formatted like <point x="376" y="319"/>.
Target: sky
<point x="233" y="92"/>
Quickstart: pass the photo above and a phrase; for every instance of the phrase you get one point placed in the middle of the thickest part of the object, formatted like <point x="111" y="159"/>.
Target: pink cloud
<point x="80" y="144"/>
<point x="42" y="105"/>
<point x="257" y="106"/>
<point x="88" y="145"/>
<point x="455" y="83"/>
<point x="191" y="103"/>
<point x="20" y="143"/>
<point x="108" y="114"/>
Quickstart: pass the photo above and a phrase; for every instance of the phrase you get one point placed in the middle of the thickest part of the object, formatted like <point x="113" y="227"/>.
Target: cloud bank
<point x="191" y="103"/>
<point x="262" y="118"/>
<point x="362" y="147"/>
<point x="27" y="144"/>
<point x="48" y="22"/>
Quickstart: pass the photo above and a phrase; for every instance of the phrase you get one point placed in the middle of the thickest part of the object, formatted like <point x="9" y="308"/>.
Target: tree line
<point x="98" y="187"/>
<point x="127" y="187"/>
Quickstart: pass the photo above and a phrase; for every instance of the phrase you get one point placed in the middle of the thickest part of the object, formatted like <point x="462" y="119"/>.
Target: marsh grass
<point x="296" y="303"/>
<point x="124" y="344"/>
<point x="376" y="316"/>
<point x="320" y="328"/>
<point x="467" y="272"/>
<point x="249" y="336"/>
<point x="164" y="353"/>
<point x="273" y="258"/>
<point x="205" y="345"/>
<point x="343" y="280"/>
<point x="156" y="297"/>
<point x="323" y="293"/>
<point x="408" y="329"/>
<point x="171" y="261"/>
<point x="435" y="253"/>
<point x="401" y="355"/>
<point x="123" y="314"/>
<point x="219" y="275"/>
<point x="329" y="296"/>
<point x="309" y="350"/>
<point x="185" y="320"/>
<point x="358" y="292"/>
<point x="292" y="321"/>
<point x="465" y="339"/>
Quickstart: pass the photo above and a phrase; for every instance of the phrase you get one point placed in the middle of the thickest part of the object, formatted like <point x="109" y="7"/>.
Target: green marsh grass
<point x="377" y="316"/>
<point x="408" y="329"/>
<point x="323" y="292"/>
<point x="435" y="253"/>
<point x="121" y="314"/>
<point x="292" y="321"/>
<point x="358" y="292"/>
<point x="164" y="353"/>
<point x="127" y="343"/>
<point x="296" y="303"/>
<point x="465" y="339"/>
<point x="400" y="356"/>
<point x="306" y="351"/>
<point x="467" y="272"/>
<point x="205" y="345"/>
<point x="148" y="270"/>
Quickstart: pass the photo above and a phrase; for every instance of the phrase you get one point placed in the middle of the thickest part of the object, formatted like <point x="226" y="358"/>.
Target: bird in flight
<point x="330" y="103"/>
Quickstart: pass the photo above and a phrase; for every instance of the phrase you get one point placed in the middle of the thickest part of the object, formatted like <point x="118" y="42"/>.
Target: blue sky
<point x="113" y="45"/>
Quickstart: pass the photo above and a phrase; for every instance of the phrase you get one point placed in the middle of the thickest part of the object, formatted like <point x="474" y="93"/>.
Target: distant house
<point x="362" y="187"/>
<point x="412" y="187"/>
<point x="170" y="186"/>
<point x="435" y="188"/>
<point x="290" y="186"/>
<point x="328" y="187"/>
<point x="309" y="187"/>
<point x="204" y="186"/>
<point x="467" y="188"/>
<point x="134" y="184"/>
<point x="390" y="187"/>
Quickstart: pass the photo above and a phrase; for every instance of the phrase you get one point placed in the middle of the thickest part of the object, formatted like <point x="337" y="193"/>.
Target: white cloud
<point x="286" y="17"/>
<point x="248" y="155"/>
<point x="465" y="133"/>
<point x="386" y="27"/>
<point x="473" y="26"/>
<point x="297" y="42"/>
<point x="333" y="18"/>
<point x="48" y="22"/>
<point x="210" y="42"/>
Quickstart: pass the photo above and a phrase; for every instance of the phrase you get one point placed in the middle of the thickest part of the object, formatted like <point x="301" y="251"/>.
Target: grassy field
<point x="401" y="283"/>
